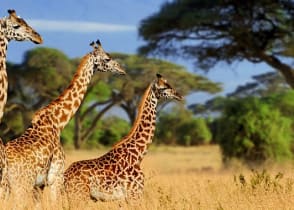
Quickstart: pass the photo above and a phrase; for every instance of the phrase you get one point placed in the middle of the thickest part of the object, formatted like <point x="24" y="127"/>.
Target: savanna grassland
<point x="189" y="178"/>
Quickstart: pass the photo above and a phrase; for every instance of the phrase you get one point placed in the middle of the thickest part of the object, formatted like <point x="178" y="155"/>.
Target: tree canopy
<point x="263" y="85"/>
<point x="215" y="30"/>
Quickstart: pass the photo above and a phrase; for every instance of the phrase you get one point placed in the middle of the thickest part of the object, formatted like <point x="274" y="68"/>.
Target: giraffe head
<point x="164" y="90"/>
<point x="15" y="28"/>
<point x="103" y="61"/>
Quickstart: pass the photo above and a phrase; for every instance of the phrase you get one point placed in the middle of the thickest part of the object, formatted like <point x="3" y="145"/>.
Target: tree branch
<point x="283" y="68"/>
<point x="90" y="130"/>
<point x="93" y="106"/>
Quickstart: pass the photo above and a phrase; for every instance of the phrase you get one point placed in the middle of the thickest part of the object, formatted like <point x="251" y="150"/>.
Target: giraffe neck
<point x="65" y="106"/>
<point x="3" y="73"/>
<point x="135" y="144"/>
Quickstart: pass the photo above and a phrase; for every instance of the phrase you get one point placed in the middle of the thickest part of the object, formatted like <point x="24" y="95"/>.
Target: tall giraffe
<point x="11" y="28"/>
<point x="36" y="158"/>
<point x="118" y="174"/>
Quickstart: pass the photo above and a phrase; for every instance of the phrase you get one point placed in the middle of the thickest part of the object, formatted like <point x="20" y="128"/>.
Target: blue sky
<point x="70" y="25"/>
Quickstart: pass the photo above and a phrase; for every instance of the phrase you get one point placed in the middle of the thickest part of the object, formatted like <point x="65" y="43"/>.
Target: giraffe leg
<point x="4" y="187"/>
<point x="97" y="192"/>
<point x="22" y="194"/>
<point x="55" y="179"/>
<point x="135" y="187"/>
<point x="78" y="194"/>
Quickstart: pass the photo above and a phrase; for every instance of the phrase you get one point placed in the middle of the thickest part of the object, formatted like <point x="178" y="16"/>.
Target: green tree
<point x="284" y="102"/>
<point x="212" y="31"/>
<point x="194" y="132"/>
<point x="253" y="130"/>
<point x="47" y="72"/>
<point x="263" y="85"/>
<point x="140" y="71"/>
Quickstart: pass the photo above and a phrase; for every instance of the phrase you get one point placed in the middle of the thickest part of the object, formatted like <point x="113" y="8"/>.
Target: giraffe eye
<point x="107" y="59"/>
<point x="16" y="26"/>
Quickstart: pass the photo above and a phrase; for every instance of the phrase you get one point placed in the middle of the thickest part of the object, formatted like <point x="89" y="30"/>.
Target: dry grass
<point x="193" y="178"/>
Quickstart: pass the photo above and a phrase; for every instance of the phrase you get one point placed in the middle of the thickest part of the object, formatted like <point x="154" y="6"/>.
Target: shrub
<point x="253" y="131"/>
<point x="113" y="129"/>
<point x="179" y="126"/>
<point x="193" y="132"/>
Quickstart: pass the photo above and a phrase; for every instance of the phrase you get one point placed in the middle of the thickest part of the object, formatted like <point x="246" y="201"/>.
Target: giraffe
<point x="36" y="158"/>
<point x="117" y="174"/>
<point x="11" y="28"/>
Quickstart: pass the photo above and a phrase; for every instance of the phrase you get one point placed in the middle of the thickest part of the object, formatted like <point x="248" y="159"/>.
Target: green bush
<point x="254" y="131"/>
<point x="179" y="126"/>
<point x="113" y="129"/>
<point x="193" y="132"/>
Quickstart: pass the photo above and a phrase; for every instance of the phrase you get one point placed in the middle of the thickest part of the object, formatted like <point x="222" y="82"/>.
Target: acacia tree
<point x="141" y="71"/>
<point x="263" y="85"/>
<point x="212" y="31"/>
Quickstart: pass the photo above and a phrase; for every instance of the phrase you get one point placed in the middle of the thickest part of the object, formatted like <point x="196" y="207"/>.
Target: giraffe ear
<point x="11" y="11"/>
<point x="98" y="42"/>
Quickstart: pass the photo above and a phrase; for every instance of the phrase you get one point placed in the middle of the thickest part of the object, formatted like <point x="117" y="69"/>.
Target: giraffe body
<point x="118" y="174"/>
<point x="11" y="28"/>
<point x="36" y="158"/>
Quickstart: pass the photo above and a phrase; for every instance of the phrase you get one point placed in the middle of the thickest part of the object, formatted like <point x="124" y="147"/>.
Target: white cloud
<point x="78" y="26"/>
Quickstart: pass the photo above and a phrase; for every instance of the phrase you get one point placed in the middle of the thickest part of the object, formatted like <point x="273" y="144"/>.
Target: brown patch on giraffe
<point x="57" y="112"/>
<point x="144" y="135"/>
<point x="76" y="103"/>
<point x="67" y="106"/>
<point x="69" y="97"/>
<point x="63" y="117"/>
<point x="133" y="151"/>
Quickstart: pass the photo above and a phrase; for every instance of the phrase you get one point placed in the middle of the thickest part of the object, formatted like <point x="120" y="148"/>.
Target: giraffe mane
<point x="82" y="62"/>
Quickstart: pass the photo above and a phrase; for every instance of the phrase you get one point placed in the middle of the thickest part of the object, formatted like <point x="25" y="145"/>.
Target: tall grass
<point x="193" y="178"/>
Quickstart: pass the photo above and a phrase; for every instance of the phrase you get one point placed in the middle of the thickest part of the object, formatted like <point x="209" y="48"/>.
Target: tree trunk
<point x="89" y="131"/>
<point x="283" y="68"/>
<point x="77" y="131"/>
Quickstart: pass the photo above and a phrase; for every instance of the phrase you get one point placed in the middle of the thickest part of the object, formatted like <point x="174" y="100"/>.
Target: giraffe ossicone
<point x="36" y="158"/>
<point x="117" y="174"/>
